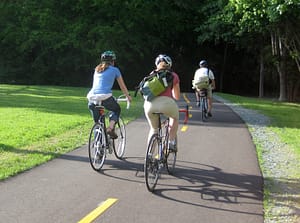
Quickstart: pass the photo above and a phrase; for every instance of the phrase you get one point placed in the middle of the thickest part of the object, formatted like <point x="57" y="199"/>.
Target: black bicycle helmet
<point x="108" y="56"/>
<point x="203" y="63"/>
<point x="165" y="58"/>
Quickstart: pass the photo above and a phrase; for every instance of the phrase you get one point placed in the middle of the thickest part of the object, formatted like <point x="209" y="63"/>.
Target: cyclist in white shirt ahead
<point x="201" y="72"/>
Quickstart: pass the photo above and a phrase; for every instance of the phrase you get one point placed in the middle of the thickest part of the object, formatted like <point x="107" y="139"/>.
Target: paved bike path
<point x="217" y="179"/>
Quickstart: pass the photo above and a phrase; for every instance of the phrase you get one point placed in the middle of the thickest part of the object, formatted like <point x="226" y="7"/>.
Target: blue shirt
<point x="104" y="81"/>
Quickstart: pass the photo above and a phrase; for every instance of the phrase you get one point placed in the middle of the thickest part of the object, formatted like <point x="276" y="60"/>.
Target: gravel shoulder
<point x="280" y="168"/>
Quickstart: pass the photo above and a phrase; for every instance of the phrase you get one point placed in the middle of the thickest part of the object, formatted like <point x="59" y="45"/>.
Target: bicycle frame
<point x="158" y="155"/>
<point x="100" y="142"/>
<point x="203" y="103"/>
<point x="102" y="122"/>
<point x="163" y="136"/>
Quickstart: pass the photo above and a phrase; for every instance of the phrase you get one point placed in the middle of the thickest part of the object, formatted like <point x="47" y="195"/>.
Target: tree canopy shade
<point x="59" y="42"/>
<point x="256" y="20"/>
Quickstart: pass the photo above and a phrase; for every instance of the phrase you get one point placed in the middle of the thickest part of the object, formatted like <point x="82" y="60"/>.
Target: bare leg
<point x="197" y="96"/>
<point x="112" y="124"/>
<point x="173" y="128"/>
<point x="209" y="100"/>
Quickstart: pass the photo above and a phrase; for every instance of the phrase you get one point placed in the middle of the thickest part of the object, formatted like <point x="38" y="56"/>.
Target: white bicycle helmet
<point x="165" y="58"/>
<point x="203" y="63"/>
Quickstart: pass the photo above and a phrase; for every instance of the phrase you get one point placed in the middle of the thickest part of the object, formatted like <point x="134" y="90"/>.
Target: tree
<point x="59" y="42"/>
<point x="248" y="22"/>
<point x="274" y="17"/>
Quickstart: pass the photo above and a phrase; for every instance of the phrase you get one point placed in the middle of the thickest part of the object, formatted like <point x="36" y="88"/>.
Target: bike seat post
<point x="203" y="93"/>
<point x="101" y="110"/>
<point x="159" y="119"/>
<point x="159" y="134"/>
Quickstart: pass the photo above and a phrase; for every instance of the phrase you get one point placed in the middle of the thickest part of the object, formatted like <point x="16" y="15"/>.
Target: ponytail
<point x="103" y="66"/>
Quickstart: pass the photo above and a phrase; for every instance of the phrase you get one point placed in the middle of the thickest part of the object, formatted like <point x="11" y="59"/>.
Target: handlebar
<point x="124" y="98"/>
<point x="186" y="111"/>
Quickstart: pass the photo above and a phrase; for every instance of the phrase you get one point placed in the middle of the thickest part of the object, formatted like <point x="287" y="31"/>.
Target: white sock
<point x="172" y="142"/>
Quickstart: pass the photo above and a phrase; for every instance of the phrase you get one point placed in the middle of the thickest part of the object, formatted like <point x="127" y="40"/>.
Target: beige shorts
<point x="163" y="104"/>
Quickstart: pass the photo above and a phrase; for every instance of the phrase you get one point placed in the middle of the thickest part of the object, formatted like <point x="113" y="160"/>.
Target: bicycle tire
<point x="120" y="142"/>
<point x="171" y="157"/>
<point x="151" y="167"/>
<point x="203" y="108"/>
<point x="96" y="148"/>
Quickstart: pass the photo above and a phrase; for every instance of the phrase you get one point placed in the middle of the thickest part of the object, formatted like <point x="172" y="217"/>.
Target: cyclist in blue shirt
<point x="101" y="93"/>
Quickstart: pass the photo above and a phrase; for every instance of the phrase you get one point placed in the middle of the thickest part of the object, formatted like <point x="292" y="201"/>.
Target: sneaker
<point x="111" y="133"/>
<point x="172" y="147"/>
<point x="209" y="114"/>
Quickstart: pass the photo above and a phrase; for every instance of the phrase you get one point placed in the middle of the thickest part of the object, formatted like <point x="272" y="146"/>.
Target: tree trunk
<point x="261" y="75"/>
<point x="279" y="51"/>
<point x="282" y="81"/>
<point x="223" y="67"/>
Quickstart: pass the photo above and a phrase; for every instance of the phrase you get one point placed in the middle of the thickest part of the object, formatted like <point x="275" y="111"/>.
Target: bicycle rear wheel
<point x="171" y="159"/>
<point x="120" y="142"/>
<point x="97" y="152"/>
<point x="203" y="109"/>
<point x="151" y="167"/>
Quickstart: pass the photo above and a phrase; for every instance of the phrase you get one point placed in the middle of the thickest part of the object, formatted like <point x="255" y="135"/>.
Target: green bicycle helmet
<point x="108" y="56"/>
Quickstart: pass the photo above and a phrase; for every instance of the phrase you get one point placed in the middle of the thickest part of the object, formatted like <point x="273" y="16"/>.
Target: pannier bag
<point x="201" y="83"/>
<point x="155" y="83"/>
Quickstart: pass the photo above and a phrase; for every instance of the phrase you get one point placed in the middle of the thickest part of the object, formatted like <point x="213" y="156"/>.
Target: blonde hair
<point x="103" y="66"/>
<point x="162" y="65"/>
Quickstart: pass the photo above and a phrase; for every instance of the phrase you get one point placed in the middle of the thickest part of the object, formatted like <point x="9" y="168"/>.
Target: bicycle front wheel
<point x="151" y="167"/>
<point x="97" y="152"/>
<point x="120" y="142"/>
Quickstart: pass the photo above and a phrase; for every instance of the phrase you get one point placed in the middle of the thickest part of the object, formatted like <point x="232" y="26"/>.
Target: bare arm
<point x="213" y="84"/>
<point x="123" y="87"/>
<point x="176" y="91"/>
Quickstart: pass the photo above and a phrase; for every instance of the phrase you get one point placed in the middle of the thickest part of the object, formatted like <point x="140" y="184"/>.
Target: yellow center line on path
<point x="186" y="98"/>
<point x="98" y="211"/>
<point x="184" y="128"/>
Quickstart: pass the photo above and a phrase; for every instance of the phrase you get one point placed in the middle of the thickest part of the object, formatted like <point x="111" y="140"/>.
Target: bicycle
<point x="158" y="154"/>
<point x="203" y="104"/>
<point x="100" y="143"/>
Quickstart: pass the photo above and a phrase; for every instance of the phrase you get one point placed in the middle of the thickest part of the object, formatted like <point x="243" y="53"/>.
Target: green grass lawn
<point x="39" y="123"/>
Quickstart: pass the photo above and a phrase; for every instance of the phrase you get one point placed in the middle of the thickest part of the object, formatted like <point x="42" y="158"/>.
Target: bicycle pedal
<point x="161" y="165"/>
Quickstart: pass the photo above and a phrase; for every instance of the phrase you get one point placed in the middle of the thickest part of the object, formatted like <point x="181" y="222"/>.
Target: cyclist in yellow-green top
<point x="101" y="93"/>
<point x="164" y="103"/>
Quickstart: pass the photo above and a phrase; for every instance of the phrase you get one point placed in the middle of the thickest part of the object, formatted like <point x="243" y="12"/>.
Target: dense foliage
<point x="59" y="42"/>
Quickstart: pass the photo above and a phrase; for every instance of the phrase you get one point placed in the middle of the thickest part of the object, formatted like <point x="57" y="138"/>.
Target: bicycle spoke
<point x="120" y="143"/>
<point x="151" y="167"/>
<point x="96" y="147"/>
<point x="171" y="159"/>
